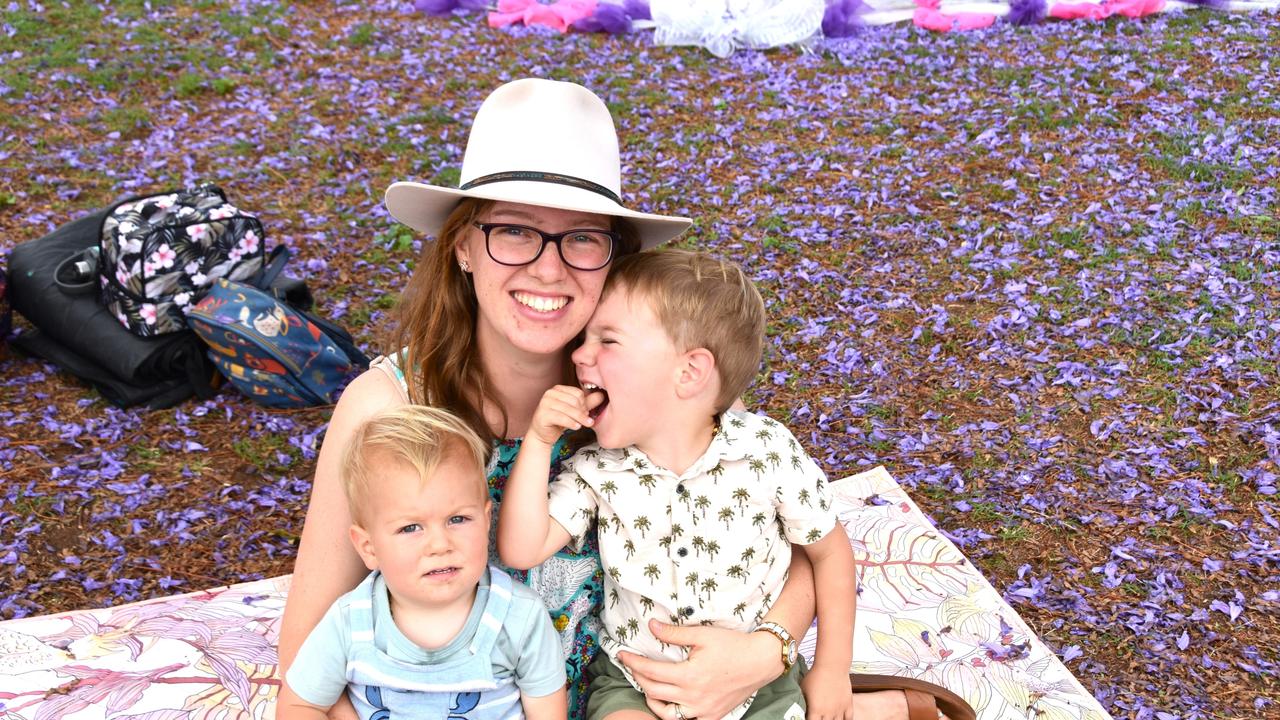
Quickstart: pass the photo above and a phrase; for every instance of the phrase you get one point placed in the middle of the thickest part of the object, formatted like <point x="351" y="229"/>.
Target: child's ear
<point x="364" y="546"/>
<point x="697" y="373"/>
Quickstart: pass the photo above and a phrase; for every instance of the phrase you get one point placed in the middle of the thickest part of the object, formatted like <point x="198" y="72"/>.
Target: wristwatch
<point x="790" y="648"/>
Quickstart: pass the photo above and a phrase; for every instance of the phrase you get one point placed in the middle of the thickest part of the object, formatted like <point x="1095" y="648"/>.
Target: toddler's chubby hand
<point x="827" y="693"/>
<point x="563" y="407"/>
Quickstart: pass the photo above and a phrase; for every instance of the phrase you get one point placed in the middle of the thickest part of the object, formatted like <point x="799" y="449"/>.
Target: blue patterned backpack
<point x="274" y="353"/>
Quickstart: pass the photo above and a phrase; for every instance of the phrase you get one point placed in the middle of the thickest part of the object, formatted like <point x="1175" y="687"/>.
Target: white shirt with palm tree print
<point x="709" y="547"/>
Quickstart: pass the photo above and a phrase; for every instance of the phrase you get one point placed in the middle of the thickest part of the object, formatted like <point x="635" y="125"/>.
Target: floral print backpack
<point x="161" y="253"/>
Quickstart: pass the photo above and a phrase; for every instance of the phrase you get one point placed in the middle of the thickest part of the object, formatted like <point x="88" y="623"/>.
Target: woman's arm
<point x="724" y="666"/>
<point x="327" y="565"/>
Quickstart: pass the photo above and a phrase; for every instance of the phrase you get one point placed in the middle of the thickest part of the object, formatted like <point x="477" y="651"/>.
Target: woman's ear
<point x="364" y="546"/>
<point x="697" y="374"/>
<point x="462" y="254"/>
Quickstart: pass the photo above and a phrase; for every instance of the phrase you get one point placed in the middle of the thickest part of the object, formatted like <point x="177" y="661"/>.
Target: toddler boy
<point x="697" y="504"/>
<point x="434" y="631"/>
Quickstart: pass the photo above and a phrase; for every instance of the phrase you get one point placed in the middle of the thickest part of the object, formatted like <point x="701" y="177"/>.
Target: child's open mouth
<point x="442" y="572"/>
<point x="604" y="402"/>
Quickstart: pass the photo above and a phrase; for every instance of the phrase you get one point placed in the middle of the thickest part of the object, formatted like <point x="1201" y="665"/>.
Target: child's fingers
<point x="565" y="407"/>
<point x="593" y="399"/>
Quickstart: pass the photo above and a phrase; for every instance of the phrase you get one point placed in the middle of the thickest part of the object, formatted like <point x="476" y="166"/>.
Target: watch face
<point x="792" y="651"/>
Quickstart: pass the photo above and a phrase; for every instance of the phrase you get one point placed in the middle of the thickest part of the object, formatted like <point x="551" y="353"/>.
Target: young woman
<point x="522" y="250"/>
<point x="484" y="323"/>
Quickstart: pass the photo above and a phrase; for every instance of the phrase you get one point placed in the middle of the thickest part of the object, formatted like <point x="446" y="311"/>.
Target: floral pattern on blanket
<point x="924" y="611"/>
<point x="200" y="656"/>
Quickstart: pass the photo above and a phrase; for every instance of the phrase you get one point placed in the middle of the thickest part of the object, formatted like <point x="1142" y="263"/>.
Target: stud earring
<point x="465" y="267"/>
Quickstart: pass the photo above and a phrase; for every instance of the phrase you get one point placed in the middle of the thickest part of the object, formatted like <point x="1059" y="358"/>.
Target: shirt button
<point x="682" y="552"/>
<point x="680" y="489"/>
<point x="686" y="611"/>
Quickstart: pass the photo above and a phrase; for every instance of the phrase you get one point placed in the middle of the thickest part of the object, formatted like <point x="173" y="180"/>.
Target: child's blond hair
<point x="701" y="302"/>
<point x="416" y="435"/>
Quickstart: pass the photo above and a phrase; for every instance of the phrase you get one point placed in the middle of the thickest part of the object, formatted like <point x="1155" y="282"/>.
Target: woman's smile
<point x="542" y="304"/>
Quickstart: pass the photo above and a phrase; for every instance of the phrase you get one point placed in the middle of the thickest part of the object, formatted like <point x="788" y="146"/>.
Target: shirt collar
<point x="731" y="440"/>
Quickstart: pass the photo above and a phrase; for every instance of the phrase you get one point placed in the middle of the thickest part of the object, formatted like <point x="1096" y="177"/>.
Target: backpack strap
<point x="341" y="338"/>
<point x="271" y="267"/>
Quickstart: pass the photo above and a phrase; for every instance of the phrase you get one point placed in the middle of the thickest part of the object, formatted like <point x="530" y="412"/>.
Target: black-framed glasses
<point x="515" y="245"/>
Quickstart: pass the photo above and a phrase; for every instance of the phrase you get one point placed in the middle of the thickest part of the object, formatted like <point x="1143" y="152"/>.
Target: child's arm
<point x="548" y="707"/>
<point x="526" y="533"/>
<point x="826" y="687"/>
<point x="291" y="707"/>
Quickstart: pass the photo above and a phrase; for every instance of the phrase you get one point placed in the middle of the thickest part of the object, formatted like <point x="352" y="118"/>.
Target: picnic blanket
<point x="924" y="611"/>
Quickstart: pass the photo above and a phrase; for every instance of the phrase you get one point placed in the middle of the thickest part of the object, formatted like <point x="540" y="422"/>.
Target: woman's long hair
<point x="435" y="326"/>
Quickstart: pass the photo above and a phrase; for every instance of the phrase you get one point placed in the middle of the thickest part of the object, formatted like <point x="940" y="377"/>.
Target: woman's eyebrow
<point x="582" y="221"/>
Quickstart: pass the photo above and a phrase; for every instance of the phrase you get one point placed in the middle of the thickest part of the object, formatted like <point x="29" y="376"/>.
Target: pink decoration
<point x="932" y="19"/>
<point x="559" y="15"/>
<point x="1090" y="11"/>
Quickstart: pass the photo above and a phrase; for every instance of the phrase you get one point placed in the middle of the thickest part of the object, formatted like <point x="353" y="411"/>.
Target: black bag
<point x="161" y="253"/>
<point x="5" y="316"/>
<point x="82" y="337"/>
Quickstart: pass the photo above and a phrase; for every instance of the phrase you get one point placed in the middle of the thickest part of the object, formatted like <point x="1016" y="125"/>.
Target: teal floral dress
<point x="571" y="584"/>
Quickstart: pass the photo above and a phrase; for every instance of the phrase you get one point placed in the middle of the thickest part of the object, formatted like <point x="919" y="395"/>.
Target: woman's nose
<point x="549" y="265"/>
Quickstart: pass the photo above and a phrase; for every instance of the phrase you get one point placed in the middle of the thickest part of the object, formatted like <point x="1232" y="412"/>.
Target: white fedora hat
<point x="537" y="142"/>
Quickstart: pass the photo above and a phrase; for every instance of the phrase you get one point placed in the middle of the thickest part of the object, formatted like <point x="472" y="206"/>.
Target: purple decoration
<point x="607" y="18"/>
<point x="637" y="9"/>
<point x="1215" y="4"/>
<point x="1026" y="12"/>
<point x="436" y="7"/>
<point x="842" y="18"/>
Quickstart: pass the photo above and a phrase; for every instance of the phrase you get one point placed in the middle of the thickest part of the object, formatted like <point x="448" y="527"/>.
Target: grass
<point x="206" y="54"/>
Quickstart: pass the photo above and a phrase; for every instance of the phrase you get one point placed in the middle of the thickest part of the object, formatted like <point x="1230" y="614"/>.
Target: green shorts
<point x="608" y="692"/>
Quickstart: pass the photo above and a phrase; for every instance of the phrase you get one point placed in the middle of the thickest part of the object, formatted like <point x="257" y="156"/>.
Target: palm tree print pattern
<point x="709" y="547"/>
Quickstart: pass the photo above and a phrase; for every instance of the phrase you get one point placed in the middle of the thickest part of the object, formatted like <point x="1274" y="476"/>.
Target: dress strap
<point x="390" y="366"/>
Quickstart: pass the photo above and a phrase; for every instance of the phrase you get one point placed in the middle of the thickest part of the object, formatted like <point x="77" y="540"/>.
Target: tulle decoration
<point x="1026" y="12"/>
<point x="444" y="7"/>
<point x="436" y="7"/>
<point x="1090" y="11"/>
<point x="558" y="15"/>
<point x="638" y="9"/>
<point x="608" y="18"/>
<point x="613" y="18"/>
<point x="934" y="19"/>
<point x="842" y="18"/>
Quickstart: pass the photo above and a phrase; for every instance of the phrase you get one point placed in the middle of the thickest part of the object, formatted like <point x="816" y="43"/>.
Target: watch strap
<point x="789" y="645"/>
